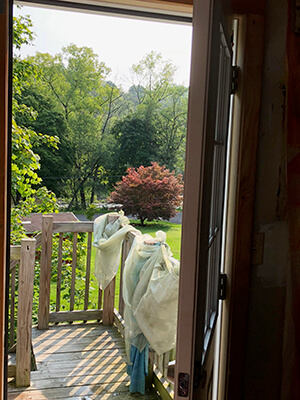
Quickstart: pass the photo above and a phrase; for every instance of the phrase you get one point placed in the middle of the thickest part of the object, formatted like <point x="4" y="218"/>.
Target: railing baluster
<point x="59" y="270"/>
<point x="99" y="299"/>
<point x="88" y="271"/>
<point x="12" y="307"/>
<point x="74" y="262"/>
<point x="165" y="365"/>
<point x="45" y="274"/>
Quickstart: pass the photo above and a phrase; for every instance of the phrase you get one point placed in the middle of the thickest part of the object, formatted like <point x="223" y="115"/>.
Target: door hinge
<point x="234" y="79"/>
<point x="222" y="286"/>
<point x="183" y="384"/>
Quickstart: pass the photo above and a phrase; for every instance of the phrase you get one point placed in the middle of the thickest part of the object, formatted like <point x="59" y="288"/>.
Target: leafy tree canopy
<point x="27" y="193"/>
<point x="76" y="83"/>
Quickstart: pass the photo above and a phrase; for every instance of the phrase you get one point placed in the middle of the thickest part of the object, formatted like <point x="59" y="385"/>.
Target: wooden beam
<point x="71" y="316"/>
<point x="109" y="303"/>
<point x="15" y="252"/>
<point x="119" y="322"/>
<point x="11" y="371"/>
<point x="25" y="300"/>
<point x="4" y="106"/>
<point x="72" y="227"/>
<point x="251" y="74"/>
<point x="45" y="272"/>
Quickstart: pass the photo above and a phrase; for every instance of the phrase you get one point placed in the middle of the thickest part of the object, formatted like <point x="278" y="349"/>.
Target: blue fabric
<point x="138" y="369"/>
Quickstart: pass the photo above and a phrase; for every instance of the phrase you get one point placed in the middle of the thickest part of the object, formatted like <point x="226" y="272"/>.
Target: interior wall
<point x="263" y="364"/>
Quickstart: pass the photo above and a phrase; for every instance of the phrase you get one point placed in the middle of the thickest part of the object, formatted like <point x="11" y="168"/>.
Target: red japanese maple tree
<point x="149" y="192"/>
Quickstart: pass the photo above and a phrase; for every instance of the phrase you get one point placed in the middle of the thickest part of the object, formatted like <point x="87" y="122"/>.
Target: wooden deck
<point x="79" y="361"/>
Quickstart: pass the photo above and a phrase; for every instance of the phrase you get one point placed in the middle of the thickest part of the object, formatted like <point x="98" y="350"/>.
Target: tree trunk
<point x="93" y="187"/>
<point x="82" y="197"/>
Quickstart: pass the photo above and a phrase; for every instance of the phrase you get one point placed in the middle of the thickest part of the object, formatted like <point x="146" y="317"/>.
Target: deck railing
<point x="22" y="259"/>
<point x="106" y="311"/>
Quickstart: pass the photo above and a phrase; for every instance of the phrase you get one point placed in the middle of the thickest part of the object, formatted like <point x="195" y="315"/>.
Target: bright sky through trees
<point x="119" y="42"/>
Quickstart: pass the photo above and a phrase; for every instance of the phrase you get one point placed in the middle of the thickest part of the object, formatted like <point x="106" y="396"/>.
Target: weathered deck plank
<point x="78" y="362"/>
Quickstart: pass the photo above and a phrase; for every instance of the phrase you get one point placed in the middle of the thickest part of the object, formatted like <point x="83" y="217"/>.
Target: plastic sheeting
<point x="150" y="292"/>
<point x="108" y="239"/>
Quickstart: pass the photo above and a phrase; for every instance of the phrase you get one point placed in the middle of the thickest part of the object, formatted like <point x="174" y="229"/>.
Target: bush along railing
<point x="64" y="267"/>
<point x="20" y="309"/>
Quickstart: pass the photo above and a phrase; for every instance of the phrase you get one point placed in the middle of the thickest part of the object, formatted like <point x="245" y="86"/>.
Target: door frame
<point x="234" y="325"/>
<point x="5" y="128"/>
<point x="239" y="238"/>
<point x="238" y="258"/>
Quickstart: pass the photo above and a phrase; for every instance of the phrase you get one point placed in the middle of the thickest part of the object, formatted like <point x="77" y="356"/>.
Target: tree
<point x="162" y="105"/>
<point x="76" y="81"/>
<point x="149" y="192"/>
<point x="54" y="161"/>
<point x="152" y="77"/>
<point x="136" y="142"/>
<point x="171" y="125"/>
<point x="28" y="195"/>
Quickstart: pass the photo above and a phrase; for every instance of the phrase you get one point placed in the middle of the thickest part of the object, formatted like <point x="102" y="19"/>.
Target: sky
<point x="119" y="42"/>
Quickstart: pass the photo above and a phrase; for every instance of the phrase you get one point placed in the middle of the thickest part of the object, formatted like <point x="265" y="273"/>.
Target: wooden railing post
<point x="25" y="299"/>
<point x="125" y="250"/>
<point x="45" y="272"/>
<point x="109" y="303"/>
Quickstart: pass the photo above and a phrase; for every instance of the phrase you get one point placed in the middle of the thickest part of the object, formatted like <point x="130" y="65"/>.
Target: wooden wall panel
<point x="3" y="173"/>
<point x="291" y="352"/>
<point x="240" y="281"/>
<point x="248" y="7"/>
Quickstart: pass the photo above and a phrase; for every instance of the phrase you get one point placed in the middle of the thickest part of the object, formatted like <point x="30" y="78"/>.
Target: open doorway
<point x="151" y="99"/>
<point x="225" y="107"/>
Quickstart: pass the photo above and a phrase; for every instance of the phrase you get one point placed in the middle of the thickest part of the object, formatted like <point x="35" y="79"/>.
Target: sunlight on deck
<point x="79" y="361"/>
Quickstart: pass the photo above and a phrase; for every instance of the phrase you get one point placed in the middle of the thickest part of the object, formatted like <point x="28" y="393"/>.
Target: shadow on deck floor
<point x="78" y="362"/>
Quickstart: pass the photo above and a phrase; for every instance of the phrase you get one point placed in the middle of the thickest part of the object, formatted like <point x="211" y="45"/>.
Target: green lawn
<point x="173" y="232"/>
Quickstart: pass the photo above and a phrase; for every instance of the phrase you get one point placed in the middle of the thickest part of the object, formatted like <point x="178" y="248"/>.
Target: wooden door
<point x="202" y="234"/>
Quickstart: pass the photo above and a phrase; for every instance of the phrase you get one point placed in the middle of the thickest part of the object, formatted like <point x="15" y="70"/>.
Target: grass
<point x="173" y="232"/>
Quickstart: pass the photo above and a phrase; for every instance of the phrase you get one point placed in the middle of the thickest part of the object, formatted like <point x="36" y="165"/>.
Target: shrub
<point x="149" y="192"/>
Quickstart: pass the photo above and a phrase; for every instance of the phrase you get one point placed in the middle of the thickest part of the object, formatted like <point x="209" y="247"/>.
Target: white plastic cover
<point x="150" y="292"/>
<point x="108" y="239"/>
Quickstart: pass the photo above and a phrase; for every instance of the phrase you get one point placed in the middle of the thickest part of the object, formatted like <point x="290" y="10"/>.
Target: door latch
<point x="183" y="384"/>
<point x="234" y="79"/>
<point x="222" y="286"/>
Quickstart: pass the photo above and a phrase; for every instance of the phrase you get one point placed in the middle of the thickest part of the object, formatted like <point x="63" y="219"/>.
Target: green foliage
<point x="136" y="142"/>
<point x="75" y="82"/>
<point x="54" y="160"/>
<point x="22" y="31"/>
<point x="154" y="75"/>
<point x="173" y="232"/>
<point x="171" y="125"/>
<point x="102" y="131"/>
<point x="160" y="106"/>
<point x="149" y="192"/>
<point x="67" y="256"/>
<point x="27" y="193"/>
